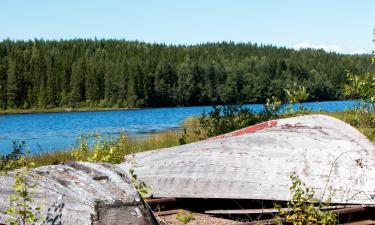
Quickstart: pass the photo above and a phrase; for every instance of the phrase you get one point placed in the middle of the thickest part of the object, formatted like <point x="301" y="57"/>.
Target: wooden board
<point x="326" y="154"/>
<point x="81" y="193"/>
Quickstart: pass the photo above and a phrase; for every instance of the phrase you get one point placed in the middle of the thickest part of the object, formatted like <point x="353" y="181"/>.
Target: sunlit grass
<point x="364" y="122"/>
<point x="114" y="150"/>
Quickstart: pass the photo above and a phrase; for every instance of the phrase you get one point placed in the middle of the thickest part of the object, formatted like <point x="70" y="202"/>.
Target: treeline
<point x="118" y="73"/>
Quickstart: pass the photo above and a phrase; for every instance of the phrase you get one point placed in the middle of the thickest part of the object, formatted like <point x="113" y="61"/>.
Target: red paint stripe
<point x="247" y="130"/>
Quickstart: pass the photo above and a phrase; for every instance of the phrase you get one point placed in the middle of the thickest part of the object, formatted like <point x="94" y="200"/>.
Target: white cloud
<point x="328" y="48"/>
<point x="356" y="51"/>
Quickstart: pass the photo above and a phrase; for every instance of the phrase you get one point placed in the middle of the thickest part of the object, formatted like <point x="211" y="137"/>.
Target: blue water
<point x="57" y="131"/>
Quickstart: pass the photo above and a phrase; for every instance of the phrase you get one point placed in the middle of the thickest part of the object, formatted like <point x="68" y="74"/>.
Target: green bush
<point x="223" y="119"/>
<point x="227" y="118"/>
<point x="304" y="208"/>
<point x="20" y="210"/>
<point x="15" y="159"/>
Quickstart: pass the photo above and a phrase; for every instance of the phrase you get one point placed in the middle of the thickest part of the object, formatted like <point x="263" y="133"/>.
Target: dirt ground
<point x="199" y="219"/>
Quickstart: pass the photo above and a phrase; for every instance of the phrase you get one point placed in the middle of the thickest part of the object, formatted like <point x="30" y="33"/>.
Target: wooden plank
<point x="258" y="222"/>
<point x="159" y="200"/>
<point x="339" y="209"/>
<point x="168" y="212"/>
<point x="361" y="222"/>
<point x="241" y="211"/>
<point x="327" y="154"/>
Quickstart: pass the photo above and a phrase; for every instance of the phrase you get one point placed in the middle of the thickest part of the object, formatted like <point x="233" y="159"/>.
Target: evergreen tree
<point x="109" y="73"/>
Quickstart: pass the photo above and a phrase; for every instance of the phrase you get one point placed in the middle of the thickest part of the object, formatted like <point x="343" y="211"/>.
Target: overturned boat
<point x="256" y="163"/>
<point x="81" y="193"/>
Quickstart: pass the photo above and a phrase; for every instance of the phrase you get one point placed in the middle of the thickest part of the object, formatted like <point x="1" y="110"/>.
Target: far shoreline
<point x="98" y="109"/>
<point x="60" y="110"/>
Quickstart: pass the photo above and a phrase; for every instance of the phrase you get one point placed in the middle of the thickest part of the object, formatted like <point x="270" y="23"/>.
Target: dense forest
<point x="119" y="73"/>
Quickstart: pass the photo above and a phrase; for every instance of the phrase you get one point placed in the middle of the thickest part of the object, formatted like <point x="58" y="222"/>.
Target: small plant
<point x="15" y="159"/>
<point x="296" y="95"/>
<point x="303" y="208"/>
<point x="143" y="190"/>
<point x="272" y="109"/>
<point x="20" y="210"/>
<point x="83" y="148"/>
<point x="105" y="150"/>
<point x="184" y="137"/>
<point x="101" y="149"/>
<point x="184" y="216"/>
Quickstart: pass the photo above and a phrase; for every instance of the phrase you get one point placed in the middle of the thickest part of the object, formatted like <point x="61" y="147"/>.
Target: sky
<point x="344" y="26"/>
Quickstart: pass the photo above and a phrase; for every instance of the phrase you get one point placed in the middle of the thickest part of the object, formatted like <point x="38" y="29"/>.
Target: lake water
<point x="57" y="131"/>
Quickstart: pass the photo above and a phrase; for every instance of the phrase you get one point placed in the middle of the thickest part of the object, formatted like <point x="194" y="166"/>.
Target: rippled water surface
<point x="56" y="131"/>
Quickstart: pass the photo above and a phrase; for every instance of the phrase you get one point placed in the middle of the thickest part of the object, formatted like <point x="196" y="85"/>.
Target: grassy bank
<point x="114" y="150"/>
<point x="364" y="122"/>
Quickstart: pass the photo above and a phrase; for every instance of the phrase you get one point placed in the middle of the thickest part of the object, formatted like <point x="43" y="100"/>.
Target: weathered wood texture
<point x="326" y="153"/>
<point x="81" y="193"/>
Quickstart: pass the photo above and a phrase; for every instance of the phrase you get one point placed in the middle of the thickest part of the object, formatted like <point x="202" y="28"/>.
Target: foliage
<point x="227" y="118"/>
<point x="143" y="190"/>
<point x="15" y="159"/>
<point x="303" y="208"/>
<point x="361" y="87"/>
<point x="116" y="147"/>
<point x="272" y="109"/>
<point x="184" y="216"/>
<point x="295" y="96"/>
<point x="183" y="138"/>
<point x="40" y="74"/>
<point x="20" y="210"/>
<point x="110" y="149"/>
<point x="102" y="149"/>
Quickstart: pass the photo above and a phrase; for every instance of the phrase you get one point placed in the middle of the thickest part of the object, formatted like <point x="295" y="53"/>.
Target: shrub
<point x="20" y="208"/>
<point x="15" y="159"/>
<point x="227" y="118"/>
<point x="303" y="208"/>
<point x="223" y="119"/>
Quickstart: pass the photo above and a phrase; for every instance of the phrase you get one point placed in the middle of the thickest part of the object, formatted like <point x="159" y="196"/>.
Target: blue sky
<point x="335" y="25"/>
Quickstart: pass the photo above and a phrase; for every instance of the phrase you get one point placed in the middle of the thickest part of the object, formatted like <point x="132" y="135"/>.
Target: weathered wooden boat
<point x="256" y="163"/>
<point x="81" y="193"/>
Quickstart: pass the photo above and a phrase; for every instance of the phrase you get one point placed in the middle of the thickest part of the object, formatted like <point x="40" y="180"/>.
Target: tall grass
<point x="114" y="149"/>
<point x="363" y="121"/>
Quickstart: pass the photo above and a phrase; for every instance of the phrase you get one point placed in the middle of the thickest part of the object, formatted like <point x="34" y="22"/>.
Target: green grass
<point x="364" y="122"/>
<point x="114" y="150"/>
